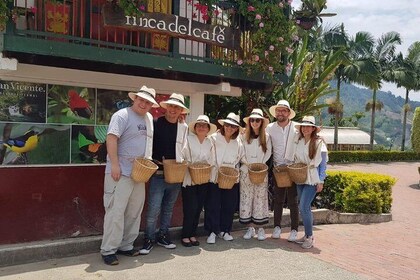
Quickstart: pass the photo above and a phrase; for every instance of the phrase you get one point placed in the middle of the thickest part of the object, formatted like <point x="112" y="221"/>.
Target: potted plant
<point x="310" y="12"/>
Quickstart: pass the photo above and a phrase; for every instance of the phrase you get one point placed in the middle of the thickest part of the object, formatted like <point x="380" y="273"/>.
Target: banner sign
<point x="174" y="26"/>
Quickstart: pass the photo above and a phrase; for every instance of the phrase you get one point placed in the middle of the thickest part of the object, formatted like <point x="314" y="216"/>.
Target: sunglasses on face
<point x="230" y="125"/>
<point x="255" y="120"/>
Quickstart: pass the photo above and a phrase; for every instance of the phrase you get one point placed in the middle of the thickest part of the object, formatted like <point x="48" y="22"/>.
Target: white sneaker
<point x="261" y="234"/>
<point x="300" y="240"/>
<point x="292" y="236"/>
<point x="227" y="236"/>
<point x="308" y="243"/>
<point x="212" y="238"/>
<point x="249" y="233"/>
<point x="276" y="232"/>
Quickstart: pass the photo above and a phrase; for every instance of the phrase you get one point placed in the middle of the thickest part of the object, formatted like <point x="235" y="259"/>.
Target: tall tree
<point x="407" y="75"/>
<point x="377" y="67"/>
<point x="353" y="57"/>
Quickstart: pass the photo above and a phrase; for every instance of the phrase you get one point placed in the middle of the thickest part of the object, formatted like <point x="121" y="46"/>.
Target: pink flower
<point x="239" y="62"/>
<point x="142" y="8"/>
<point x="261" y="25"/>
<point x="281" y="5"/>
<point x="251" y="9"/>
<point x="271" y="48"/>
<point x="281" y="39"/>
<point x="258" y="16"/>
<point x="289" y="50"/>
<point x="289" y="1"/>
<point x="297" y="21"/>
<point x="289" y="67"/>
<point x="205" y="17"/>
<point x="270" y="68"/>
<point x="256" y="58"/>
<point x="265" y="53"/>
<point x="33" y="9"/>
<point x="216" y="12"/>
<point x="295" y="37"/>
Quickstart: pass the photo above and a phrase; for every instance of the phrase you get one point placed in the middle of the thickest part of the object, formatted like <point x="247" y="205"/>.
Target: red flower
<point x="251" y="8"/>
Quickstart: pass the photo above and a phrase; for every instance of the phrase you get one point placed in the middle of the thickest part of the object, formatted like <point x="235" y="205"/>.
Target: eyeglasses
<point x="230" y="125"/>
<point x="254" y="120"/>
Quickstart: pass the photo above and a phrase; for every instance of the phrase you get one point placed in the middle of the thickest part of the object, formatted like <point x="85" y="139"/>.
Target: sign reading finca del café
<point x="174" y="26"/>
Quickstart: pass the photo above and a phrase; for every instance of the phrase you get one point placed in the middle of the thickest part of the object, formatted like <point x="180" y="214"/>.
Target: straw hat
<point x="232" y="119"/>
<point x="257" y="114"/>
<point x="308" y="121"/>
<point x="177" y="100"/>
<point x="203" y="119"/>
<point x="146" y="93"/>
<point x="283" y="104"/>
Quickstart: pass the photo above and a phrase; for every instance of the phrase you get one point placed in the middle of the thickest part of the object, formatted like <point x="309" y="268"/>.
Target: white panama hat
<point x="257" y="114"/>
<point x="308" y="121"/>
<point x="177" y="100"/>
<point x="203" y="119"/>
<point x="232" y="119"/>
<point x="146" y="93"/>
<point x="284" y="104"/>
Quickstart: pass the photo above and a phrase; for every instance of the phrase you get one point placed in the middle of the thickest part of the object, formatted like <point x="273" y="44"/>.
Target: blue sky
<point x="379" y="17"/>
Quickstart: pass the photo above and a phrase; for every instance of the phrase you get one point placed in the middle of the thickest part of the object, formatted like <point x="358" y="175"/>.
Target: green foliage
<point x="371" y="156"/>
<point x="357" y="192"/>
<point x="415" y="131"/>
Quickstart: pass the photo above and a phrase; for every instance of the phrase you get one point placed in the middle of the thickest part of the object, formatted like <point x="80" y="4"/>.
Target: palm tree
<point x="407" y="75"/>
<point x="378" y="66"/>
<point x="353" y="60"/>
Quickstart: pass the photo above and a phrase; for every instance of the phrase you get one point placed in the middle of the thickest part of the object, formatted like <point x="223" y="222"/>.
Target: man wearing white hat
<point x="130" y="135"/>
<point x="169" y="138"/>
<point x="284" y="134"/>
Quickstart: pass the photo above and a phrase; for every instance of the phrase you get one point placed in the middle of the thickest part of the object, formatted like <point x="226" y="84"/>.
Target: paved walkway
<point x="375" y="251"/>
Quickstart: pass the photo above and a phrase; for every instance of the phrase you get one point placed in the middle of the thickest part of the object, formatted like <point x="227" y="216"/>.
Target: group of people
<point x="133" y="133"/>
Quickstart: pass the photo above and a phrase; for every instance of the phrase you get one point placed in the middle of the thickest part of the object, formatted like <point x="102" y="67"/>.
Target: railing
<point x="80" y="22"/>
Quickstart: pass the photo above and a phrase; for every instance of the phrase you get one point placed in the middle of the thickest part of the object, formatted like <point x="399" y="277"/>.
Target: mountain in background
<point x="388" y="121"/>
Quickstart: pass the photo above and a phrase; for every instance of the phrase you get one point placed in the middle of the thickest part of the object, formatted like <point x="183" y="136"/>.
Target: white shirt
<point x="283" y="142"/>
<point x="253" y="152"/>
<point x="302" y="155"/>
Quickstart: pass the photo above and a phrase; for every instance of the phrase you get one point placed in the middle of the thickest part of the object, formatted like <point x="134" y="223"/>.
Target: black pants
<point x="219" y="208"/>
<point x="192" y="202"/>
<point x="279" y="196"/>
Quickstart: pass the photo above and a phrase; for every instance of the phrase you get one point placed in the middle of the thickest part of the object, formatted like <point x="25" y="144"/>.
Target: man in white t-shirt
<point x="130" y="135"/>
<point x="283" y="136"/>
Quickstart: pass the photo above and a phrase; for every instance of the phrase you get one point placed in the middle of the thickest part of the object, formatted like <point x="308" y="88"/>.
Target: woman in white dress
<point x="253" y="200"/>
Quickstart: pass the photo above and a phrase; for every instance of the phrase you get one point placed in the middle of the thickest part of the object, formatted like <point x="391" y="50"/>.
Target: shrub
<point x="415" y="131"/>
<point x="357" y="192"/>
<point x="357" y="156"/>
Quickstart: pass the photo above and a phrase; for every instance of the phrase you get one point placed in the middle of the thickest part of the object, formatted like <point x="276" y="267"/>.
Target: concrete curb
<point x="44" y="250"/>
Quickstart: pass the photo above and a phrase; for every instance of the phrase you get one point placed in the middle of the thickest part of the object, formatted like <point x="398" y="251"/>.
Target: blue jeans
<point x="306" y="193"/>
<point x="161" y="198"/>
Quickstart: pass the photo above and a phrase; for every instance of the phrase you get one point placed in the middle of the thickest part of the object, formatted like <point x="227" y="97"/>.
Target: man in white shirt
<point x="283" y="135"/>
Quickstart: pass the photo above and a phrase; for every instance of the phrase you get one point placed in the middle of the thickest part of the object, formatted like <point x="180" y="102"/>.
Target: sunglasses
<point x="230" y="125"/>
<point x="254" y="120"/>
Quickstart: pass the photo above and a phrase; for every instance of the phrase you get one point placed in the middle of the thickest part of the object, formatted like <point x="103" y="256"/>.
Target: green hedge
<point x="356" y="192"/>
<point x="357" y="156"/>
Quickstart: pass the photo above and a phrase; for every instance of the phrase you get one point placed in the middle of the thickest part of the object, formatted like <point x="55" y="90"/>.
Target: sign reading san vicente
<point x="174" y="26"/>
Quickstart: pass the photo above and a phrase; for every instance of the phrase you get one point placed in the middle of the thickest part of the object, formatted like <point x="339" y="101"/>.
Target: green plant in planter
<point x="310" y="12"/>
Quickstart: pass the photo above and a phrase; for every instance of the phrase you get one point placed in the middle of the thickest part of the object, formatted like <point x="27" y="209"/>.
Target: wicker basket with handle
<point x="298" y="172"/>
<point x="142" y="170"/>
<point x="200" y="172"/>
<point x="173" y="171"/>
<point x="282" y="177"/>
<point x="227" y="177"/>
<point x="257" y="173"/>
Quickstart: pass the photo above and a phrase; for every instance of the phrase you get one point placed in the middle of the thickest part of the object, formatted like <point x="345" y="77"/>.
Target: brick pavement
<point x="380" y="251"/>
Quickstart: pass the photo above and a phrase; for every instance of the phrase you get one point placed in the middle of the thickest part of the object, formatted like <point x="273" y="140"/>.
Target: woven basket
<point x="142" y="170"/>
<point x="257" y="173"/>
<point x="227" y="177"/>
<point x="200" y="172"/>
<point x="298" y="172"/>
<point x="173" y="171"/>
<point x="282" y="177"/>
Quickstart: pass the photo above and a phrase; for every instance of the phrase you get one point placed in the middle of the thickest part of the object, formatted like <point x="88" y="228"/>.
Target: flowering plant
<point x="131" y="7"/>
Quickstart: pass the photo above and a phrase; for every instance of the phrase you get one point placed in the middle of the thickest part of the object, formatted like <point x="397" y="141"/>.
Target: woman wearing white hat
<point x="253" y="201"/>
<point x="221" y="203"/>
<point x="309" y="151"/>
<point x="198" y="149"/>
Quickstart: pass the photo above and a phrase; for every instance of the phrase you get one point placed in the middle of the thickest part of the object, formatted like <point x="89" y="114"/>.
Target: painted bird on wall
<point x="22" y="144"/>
<point x="78" y="105"/>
